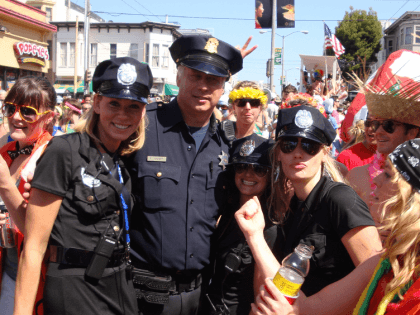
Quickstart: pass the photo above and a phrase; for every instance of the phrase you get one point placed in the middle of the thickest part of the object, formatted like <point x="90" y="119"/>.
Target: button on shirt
<point x="175" y="212"/>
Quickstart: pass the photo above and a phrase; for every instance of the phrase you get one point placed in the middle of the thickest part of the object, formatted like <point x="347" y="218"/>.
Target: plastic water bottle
<point x="292" y="273"/>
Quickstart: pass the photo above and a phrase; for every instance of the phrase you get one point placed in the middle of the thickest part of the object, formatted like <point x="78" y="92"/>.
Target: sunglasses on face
<point x="388" y="125"/>
<point x="27" y="113"/>
<point x="289" y="144"/>
<point x="259" y="170"/>
<point x="252" y="102"/>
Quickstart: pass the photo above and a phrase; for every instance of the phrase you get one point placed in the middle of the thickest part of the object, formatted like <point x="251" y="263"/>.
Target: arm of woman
<point x="42" y="211"/>
<point x="340" y="297"/>
<point x="250" y="219"/>
<point x="362" y="243"/>
<point x="11" y="196"/>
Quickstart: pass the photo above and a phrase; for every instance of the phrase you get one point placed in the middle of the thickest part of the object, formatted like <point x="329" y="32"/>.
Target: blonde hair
<point x="88" y="123"/>
<point x="357" y="133"/>
<point x="278" y="205"/>
<point x="401" y="216"/>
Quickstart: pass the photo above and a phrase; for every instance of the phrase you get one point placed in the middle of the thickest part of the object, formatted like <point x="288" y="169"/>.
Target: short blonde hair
<point x="89" y="121"/>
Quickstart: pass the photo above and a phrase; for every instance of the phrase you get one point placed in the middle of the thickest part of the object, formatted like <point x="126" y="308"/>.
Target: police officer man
<point x="176" y="179"/>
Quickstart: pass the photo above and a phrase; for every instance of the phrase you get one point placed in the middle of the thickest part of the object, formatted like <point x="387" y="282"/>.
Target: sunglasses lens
<point x="287" y="145"/>
<point x="260" y="170"/>
<point x="388" y="126"/>
<point x="9" y="110"/>
<point x="240" y="168"/>
<point x="368" y="123"/>
<point x="28" y="113"/>
<point x="254" y="103"/>
<point x="311" y="147"/>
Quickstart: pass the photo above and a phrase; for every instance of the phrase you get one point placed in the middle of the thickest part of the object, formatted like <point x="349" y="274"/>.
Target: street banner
<point x="277" y="56"/>
<point x="285" y="13"/>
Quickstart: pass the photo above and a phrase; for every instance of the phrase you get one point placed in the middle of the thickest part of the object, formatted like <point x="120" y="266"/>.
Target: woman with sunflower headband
<point x="248" y="102"/>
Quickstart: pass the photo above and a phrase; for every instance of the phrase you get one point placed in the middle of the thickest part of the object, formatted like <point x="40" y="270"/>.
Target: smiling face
<point x="198" y="92"/>
<point x="26" y="133"/>
<point x="246" y="115"/>
<point x="250" y="184"/>
<point x="387" y="142"/>
<point x="299" y="166"/>
<point x="370" y="135"/>
<point x="118" y="119"/>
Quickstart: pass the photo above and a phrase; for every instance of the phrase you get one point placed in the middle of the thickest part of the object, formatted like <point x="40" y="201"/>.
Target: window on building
<point x="417" y="40"/>
<point x="93" y="55"/>
<point x="134" y="51"/>
<point x="155" y="55"/>
<point x="63" y="54"/>
<point x="408" y="35"/>
<point x="402" y="37"/>
<point x="49" y="14"/>
<point x="390" y="47"/>
<point x="72" y="54"/>
<point x="146" y="53"/>
<point x="398" y="44"/>
<point x="165" y="57"/>
<point x="49" y="42"/>
<point x="113" y="53"/>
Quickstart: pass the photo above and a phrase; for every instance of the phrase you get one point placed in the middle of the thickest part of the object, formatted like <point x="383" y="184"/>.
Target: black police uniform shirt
<point x="66" y="169"/>
<point x="178" y="192"/>
<point x="330" y="211"/>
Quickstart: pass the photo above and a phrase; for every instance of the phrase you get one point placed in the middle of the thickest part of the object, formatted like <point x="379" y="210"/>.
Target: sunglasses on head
<point x="388" y="125"/>
<point x="252" y="102"/>
<point x="259" y="170"/>
<point x="27" y="113"/>
<point x="289" y="144"/>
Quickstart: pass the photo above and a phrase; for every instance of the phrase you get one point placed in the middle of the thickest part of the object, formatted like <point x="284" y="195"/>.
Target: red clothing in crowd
<point x="355" y="156"/>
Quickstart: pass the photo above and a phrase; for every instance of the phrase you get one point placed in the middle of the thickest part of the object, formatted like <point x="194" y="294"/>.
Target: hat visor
<point x="205" y="67"/>
<point x="126" y="94"/>
<point x="303" y="133"/>
<point x="258" y="160"/>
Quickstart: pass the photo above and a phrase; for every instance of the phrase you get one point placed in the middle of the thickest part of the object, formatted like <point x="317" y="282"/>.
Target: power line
<point x="147" y="9"/>
<point x="133" y="9"/>
<point x="398" y="10"/>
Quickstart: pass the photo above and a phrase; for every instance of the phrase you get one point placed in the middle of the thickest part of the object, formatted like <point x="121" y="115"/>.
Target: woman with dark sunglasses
<point x="324" y="212"/>
<point x="28" y="109"/>
<point x="248" y="102"/>
<point x="249" y="167"/>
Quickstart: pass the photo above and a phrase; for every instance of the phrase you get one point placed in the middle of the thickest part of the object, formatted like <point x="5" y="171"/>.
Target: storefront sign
<point x="37" y="54"/>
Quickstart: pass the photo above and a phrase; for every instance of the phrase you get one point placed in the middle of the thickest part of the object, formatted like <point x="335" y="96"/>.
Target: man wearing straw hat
<point x="395" y="118"/>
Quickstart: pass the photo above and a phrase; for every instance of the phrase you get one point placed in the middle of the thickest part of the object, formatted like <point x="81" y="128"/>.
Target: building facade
<point x="24" y="45"/>
<point x="147" y="42"/>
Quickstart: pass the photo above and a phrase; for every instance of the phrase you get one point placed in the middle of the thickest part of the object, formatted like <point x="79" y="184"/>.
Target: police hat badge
<point x="127" y="74"/>
<point x="304" y="119"/>
<point x="211" y="45"/>
<point x="247" y="148"/>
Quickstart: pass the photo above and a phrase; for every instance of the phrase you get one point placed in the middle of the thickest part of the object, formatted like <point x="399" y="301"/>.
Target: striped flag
<point x="332" y="42"/>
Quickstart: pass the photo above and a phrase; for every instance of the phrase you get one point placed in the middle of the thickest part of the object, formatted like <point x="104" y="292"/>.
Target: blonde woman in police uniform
<point x="77" y="202"/>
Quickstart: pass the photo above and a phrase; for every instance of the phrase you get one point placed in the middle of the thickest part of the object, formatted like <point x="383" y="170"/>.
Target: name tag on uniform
<point x="156" y="159"/>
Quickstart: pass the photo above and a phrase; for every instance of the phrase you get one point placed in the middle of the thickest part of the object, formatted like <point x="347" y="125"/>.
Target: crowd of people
<point x="120" y="205"/>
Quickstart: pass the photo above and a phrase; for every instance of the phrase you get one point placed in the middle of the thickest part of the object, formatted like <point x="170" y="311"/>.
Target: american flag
<point x="332" y="42"/>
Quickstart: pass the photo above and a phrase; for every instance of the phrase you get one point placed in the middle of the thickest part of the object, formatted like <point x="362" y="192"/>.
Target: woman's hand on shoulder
<point x="271" y="302"/>
<point x="250" y="218"/>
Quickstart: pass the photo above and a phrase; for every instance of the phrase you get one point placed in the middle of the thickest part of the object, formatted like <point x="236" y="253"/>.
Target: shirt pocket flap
<point x="160" y="171"/>
<point x="90" y="195"/>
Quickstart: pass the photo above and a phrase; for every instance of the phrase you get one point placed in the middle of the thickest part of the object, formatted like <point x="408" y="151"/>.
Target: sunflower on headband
<point x="248" y="93"/>
<point x="303" y="99"/>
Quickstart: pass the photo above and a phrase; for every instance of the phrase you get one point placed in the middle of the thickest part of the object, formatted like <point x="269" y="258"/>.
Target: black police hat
<point x="206" y="54"/>
<point x="252" y="149"/>
<point x="305" y="122"/>
<point x="124" y="77"/>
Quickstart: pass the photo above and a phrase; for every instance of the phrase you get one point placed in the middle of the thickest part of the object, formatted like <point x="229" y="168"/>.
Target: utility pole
<point x="86" y="66"/>
<point x="76" y="56"/>
<point x="273" y="40"/>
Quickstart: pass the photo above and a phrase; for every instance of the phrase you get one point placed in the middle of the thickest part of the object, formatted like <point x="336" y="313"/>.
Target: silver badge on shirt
<point x="127" y="74"/>
<point x="89" y="180"/>
<point x="303" y="119"/>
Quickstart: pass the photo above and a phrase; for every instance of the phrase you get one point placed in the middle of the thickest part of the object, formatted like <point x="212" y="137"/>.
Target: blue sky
<point x="225" y="19"/>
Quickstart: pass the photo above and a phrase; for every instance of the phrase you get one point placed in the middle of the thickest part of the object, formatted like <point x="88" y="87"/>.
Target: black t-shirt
<point x="329" y="212"/>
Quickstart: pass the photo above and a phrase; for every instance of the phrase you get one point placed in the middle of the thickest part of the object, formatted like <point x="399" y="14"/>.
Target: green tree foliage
<point x="360" y="33"/>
